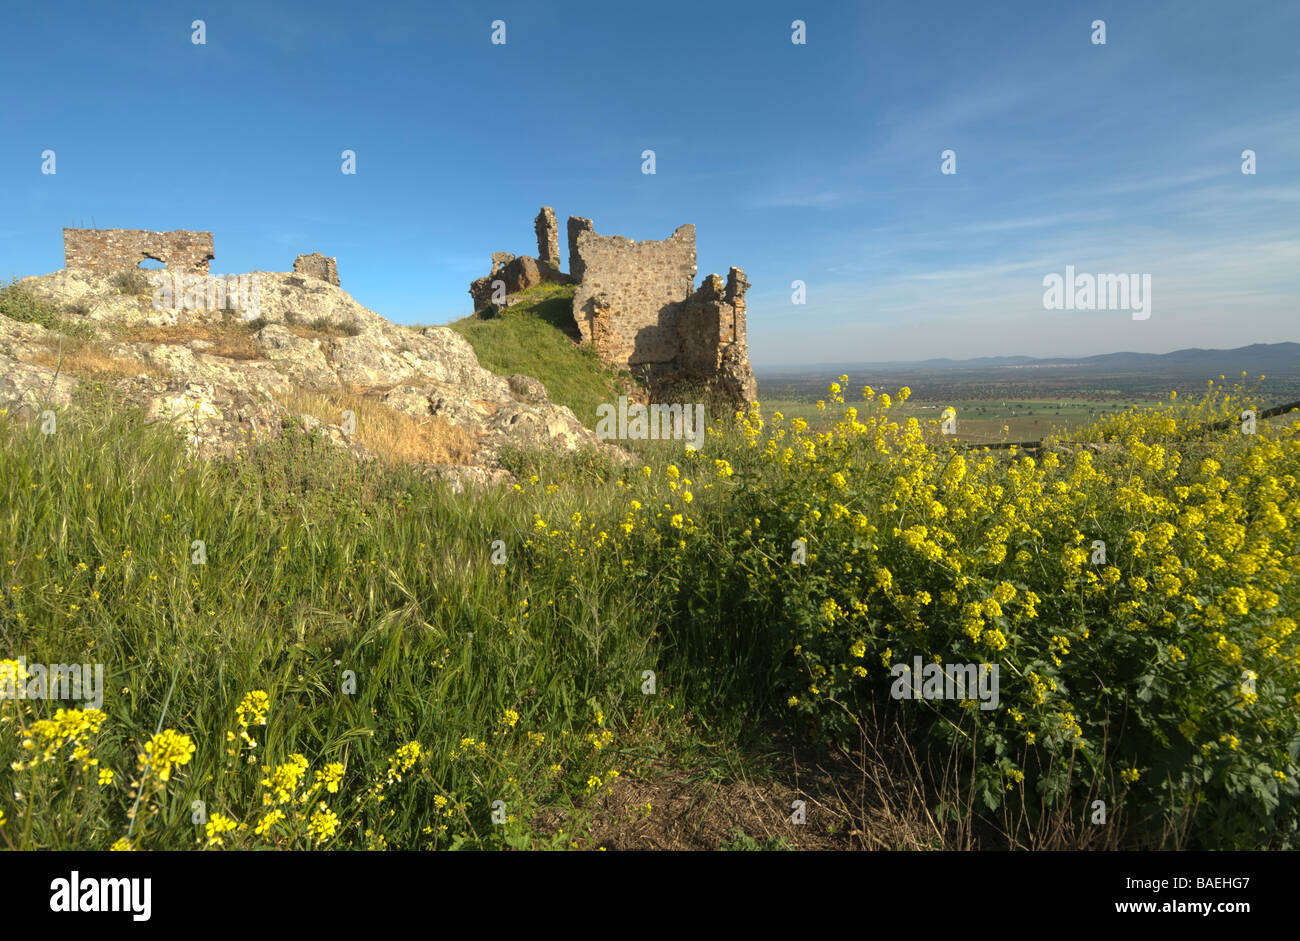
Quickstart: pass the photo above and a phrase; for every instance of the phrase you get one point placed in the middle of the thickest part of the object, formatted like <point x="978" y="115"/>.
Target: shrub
<point x="21" y="303"/>
<point x="1163" y="678"/>
<point x="132" y="281"/>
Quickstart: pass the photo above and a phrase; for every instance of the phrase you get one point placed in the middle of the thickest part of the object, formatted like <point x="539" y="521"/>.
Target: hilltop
<point x="312" y="355"/>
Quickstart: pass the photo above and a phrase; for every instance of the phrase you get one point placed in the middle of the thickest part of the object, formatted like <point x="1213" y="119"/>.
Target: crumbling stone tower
<point x="711" y="334"/>
<point x="548" y="237"/>
<point x="512" y="274"/>
<point x="577" y="225"/>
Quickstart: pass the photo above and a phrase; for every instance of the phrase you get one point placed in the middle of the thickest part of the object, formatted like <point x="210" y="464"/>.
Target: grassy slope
<point x="533" y="338"/>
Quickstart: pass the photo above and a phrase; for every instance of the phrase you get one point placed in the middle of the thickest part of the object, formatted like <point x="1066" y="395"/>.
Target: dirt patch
<point x="866" y="798"/>
<point x="681" y="814"/>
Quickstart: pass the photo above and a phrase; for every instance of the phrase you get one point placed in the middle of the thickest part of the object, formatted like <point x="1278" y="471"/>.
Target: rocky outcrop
<point x="222" y="377"/>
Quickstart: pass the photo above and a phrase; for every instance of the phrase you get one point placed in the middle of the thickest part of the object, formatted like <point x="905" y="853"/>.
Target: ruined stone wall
<point x="107" y="250"/>
<point x="577" y="225"/>
<point x="711" y="338"/>
<point x="317" y="265"/>
<point x="511" y="274"/>
<point x="735" y="375"/>
<point x="548" y="237"/>
<point x="639" y="286"/>
<point x="636" y="304"/>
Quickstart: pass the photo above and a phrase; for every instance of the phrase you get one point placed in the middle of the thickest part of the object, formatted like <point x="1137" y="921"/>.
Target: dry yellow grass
<point x="235" y="341"/>
<point x="90" y="360"/>
<point x="317" y="331"/>
<point x="391" y="435"/>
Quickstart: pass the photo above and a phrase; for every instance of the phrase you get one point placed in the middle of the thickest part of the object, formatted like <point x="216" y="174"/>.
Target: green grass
<point x="534" y="337"/>
<point x="20" y="303"/>
<point x="315" y="565"/>
<point x="740" y="841"/>
<point x="367" y="603"/>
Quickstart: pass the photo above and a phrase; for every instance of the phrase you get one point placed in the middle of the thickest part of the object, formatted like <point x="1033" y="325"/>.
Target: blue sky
<point x="816" y="162"/>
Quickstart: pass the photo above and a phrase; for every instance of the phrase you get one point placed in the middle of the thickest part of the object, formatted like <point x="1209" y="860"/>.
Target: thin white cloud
<point x="801" y="197"/>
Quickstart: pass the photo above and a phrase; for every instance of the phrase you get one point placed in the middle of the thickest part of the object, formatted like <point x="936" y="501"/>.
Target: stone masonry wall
<point x="577" y="225"/>
<point x="711" y="338"/>
<point x="636" y="305"/>
<point x="638" y="286"/>
<point x="106" y="250"/>
<point x="317" y="265"/>
<point x="548" y="237"/>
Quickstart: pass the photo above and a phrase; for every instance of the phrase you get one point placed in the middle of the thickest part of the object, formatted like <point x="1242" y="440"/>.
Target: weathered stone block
<point x="518" y="274"/>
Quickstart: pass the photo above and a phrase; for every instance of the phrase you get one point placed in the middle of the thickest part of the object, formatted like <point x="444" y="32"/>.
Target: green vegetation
<point x="132" y="282"/>
<point x="533" y="337"/>
<point x="410" y="681"/>
<point x="22" y="304"/>
<point x="342" y="662"/>
<point x="740" y="840"/>
<point x="314" y="566"/>
<point x="983" y="421"/>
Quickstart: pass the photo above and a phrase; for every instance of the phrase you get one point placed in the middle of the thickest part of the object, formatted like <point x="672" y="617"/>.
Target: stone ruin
<point x="548" y="237"/>
<point x="109" y="250"/>
<point x="577" y="225"/>
<point x="637" y="305"/>
<point x="105" y="251"/>
<point x="317" y="265"/>
<point x="511" y="274"/>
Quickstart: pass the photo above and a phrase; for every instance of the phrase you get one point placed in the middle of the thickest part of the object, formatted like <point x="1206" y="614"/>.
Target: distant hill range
<point x="1134" y="372"/>
<point x="1280" y="358"/>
